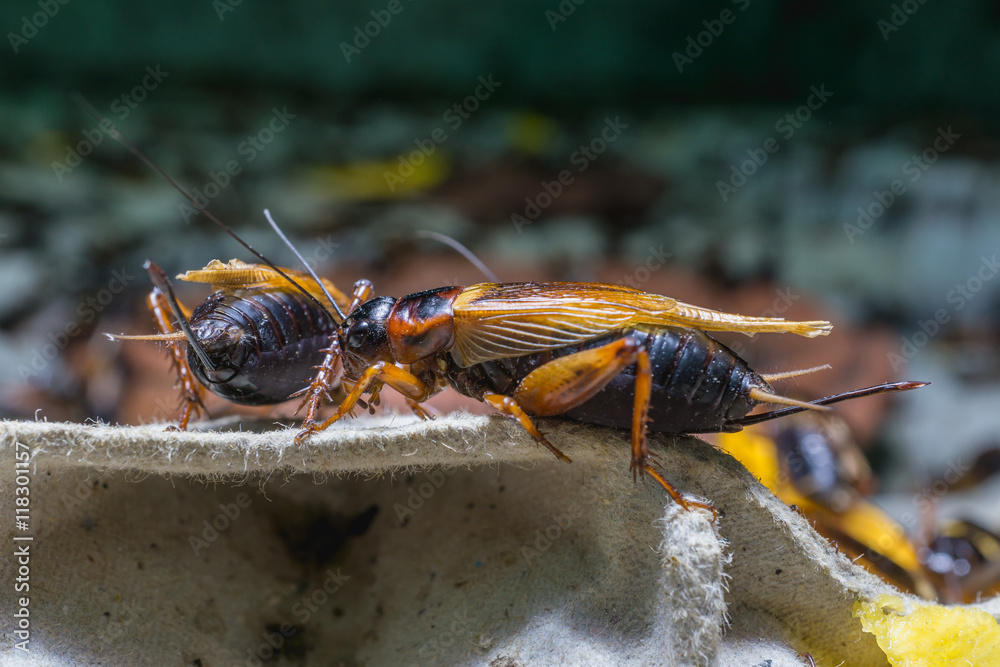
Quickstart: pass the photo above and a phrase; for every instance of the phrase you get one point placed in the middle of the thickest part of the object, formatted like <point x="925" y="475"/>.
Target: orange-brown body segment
<point x="422" y="325"/>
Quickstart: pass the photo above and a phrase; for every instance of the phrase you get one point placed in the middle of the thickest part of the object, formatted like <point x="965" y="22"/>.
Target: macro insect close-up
<point x="435" y="334"/>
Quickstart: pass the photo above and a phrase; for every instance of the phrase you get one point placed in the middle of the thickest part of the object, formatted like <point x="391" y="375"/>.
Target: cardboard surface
<point x="390" y="541"/>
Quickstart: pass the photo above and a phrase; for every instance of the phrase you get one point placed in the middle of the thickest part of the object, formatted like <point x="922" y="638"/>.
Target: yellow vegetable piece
<point x="914" y="634"/>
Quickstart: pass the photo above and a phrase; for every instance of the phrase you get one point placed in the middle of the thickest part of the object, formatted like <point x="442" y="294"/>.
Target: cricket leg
<point x="192" y="393"/>
<point x="362" y="292"/>
<point x="401" y="380"/>
<point x="328" y="373"/>
<point x="570" y="381"/>
<point x="510" y="407"/>
<point x="425" y="414"/>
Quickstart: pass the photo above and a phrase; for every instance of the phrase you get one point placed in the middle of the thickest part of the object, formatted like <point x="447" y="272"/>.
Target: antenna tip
<point x="906" y="386"/>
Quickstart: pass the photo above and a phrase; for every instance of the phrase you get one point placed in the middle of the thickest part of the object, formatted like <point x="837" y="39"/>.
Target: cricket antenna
<point x="88" y="108"/>
<point x="461" y="249"/>
<point x="836" y="398"/>
<point x="281" y="235"/>
<point x="160" y="281"/>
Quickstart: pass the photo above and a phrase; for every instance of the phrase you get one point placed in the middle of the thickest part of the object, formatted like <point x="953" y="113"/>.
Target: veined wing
<point x="236" y="274"/>
<point x="498" y="320"/>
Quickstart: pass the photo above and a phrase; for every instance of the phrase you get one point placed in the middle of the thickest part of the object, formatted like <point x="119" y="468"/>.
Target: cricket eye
<point x="357" y="334"/>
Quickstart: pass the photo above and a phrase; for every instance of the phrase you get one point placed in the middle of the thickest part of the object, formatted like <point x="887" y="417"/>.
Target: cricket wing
<point x="236" y="274"/>
<point x="498" y="320"/>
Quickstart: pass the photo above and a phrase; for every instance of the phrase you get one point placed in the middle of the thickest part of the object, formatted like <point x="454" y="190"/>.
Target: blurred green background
<point x="571" y="56"/>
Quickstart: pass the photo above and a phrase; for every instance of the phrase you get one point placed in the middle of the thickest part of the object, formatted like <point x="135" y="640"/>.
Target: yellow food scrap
<point x="913" y="634"/>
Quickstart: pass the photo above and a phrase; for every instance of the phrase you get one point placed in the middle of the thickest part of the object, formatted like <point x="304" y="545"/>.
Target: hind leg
<point x="192" y="393"/>
<point x="565" y="383"/>
<point x="570" y="381"/>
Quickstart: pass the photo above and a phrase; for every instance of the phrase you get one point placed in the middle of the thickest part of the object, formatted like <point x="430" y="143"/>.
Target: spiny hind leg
<point x="192" y="406"/>
<point x="572" y="380"/>
<point x="677" y="496"/>
<point x="192" y="392"/>
<point x="640" y="452"/>
<point x="568" y="382"/>
<point x="640" y="413"/>
<point x="326" y="380"/>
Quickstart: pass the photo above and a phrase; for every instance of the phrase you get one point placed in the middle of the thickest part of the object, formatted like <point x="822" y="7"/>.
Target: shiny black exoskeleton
<point x="699" y="384"/>
<point x="264" y="342"/>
